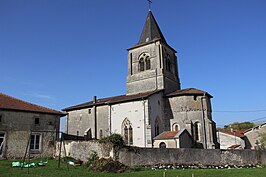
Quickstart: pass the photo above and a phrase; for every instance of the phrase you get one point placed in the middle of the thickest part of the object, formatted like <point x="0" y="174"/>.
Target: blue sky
<point x="58" y="53"/>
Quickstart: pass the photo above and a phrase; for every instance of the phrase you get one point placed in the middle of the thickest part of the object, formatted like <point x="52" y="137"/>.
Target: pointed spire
<point x="151" y="31"/>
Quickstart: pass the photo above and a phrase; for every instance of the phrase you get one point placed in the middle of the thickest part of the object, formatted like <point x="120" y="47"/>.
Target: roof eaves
<point x="61" y="114"/>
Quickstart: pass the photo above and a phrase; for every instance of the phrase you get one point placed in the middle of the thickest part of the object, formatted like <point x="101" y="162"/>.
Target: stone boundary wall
<point x="134" y="156"/>
<point x="153" y="156"/>
<point x="81" y="150"/>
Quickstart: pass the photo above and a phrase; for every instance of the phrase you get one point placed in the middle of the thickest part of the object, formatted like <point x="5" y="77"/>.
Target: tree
<point x="239" y="125"/>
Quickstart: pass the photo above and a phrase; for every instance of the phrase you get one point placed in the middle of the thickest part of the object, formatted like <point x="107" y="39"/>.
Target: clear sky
<point x="58" y="53"/>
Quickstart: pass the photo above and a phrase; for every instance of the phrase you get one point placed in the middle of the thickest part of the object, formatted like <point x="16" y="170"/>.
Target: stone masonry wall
<point x="83" y="149"/>
<point x="152" y="156"/>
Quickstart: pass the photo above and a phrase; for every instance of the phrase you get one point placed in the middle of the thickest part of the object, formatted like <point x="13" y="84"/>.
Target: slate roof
<point x="151" y="31"/>
<point x="167" y="135"/>
<point x="11" y="103"/>
<point x="112" y="100"/>
<point x="125" y="98"/>
<point x="188" y="91"/>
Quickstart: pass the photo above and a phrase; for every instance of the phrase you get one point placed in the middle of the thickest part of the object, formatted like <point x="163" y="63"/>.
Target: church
<point x="154" y="102"/>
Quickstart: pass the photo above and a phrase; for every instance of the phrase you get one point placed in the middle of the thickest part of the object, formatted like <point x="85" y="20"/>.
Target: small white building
<point x="231" y="139"/>
<point x="173" y="139"/>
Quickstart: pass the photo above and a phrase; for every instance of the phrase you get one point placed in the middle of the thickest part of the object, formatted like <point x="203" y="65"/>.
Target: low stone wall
<point x="152" y="156"/>
<point x="81" y="150"/>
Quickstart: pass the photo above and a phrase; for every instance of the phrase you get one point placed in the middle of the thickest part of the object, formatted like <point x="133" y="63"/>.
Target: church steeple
<point x="152" y="63"/>
<point x="151" y="31"/>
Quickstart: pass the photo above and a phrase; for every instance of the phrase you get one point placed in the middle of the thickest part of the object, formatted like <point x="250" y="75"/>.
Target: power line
<point x="242" y="111"/>
<point x="256" y="120"/>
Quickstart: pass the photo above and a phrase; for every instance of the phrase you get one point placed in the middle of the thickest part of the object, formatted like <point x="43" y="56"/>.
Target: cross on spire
<point x="149" y="1"/>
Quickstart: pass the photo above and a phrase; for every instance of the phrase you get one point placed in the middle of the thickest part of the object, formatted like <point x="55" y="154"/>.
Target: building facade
<point x="154" y="101"/>
<point x="23" y="125"/>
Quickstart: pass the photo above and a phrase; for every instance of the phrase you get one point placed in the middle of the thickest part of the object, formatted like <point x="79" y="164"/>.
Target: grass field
<point x="51" y="170"/>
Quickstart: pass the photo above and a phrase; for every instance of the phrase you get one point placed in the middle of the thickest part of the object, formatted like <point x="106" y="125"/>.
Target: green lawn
<point x="80" y="171"/>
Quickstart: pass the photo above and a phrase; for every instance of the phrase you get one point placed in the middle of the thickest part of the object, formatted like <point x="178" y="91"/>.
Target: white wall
<point x="134" y="112"/>
<point x="227" y="140"/>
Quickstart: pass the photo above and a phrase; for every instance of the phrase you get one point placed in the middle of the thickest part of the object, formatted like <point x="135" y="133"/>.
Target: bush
<point x="92" y="158"/>
<point x="116" y="139"/>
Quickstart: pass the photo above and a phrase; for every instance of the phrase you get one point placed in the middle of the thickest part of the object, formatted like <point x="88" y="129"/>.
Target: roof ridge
<point x="22" y="101"/>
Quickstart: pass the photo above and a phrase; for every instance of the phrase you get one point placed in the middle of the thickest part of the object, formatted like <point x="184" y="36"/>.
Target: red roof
<point x="188" y="91"/>
<point x="239" y="133"/>
<point x="234" y="146"/>
<point x="167" y="135"/>
<point x="11" y="103"/>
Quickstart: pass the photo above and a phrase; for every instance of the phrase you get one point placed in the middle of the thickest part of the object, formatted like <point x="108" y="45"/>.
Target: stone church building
<point x="154" y="101"/>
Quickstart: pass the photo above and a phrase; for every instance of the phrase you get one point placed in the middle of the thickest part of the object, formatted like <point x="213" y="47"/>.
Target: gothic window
<point x="197" y="131"/>
<point x="157" y="128"/>
<point x="144" y="62"/>
<point x="127" y="132"/>
<point x="148" y="64"/>
<point x="141" y="65"/>
<point x="168" y="63"/>
<point x="130" y="134"/>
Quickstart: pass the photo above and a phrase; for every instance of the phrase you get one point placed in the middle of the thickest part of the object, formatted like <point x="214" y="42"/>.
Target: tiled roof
<point x="257" y="127"/>
<point x="167" y="135"/>
<point x="238" y="133"/>
<point x="112" y="100"/>
<point x="11" y="103"/>
<point x="234" y="146"/>
<point x="188" y="91"/>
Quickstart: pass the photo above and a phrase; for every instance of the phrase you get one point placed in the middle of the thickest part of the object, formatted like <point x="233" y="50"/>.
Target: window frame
<point x="33" y="147"/>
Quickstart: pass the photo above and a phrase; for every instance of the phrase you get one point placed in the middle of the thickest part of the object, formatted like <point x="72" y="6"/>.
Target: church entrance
<point x="2" y="142"/>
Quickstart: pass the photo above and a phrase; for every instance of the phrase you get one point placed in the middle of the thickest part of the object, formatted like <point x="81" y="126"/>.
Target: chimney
<point x="95" y="116"/>
<point x="94" y="99"/>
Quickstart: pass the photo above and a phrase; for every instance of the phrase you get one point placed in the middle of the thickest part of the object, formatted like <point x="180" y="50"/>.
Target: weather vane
<point x="149" y="1"/>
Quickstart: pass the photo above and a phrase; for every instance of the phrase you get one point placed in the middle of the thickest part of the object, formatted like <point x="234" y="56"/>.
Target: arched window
<point x="162" y="145"/>
<point x="130" y="134"/>
<point x="101" y="133"/>
<point x="88" y="135"/>
<point x="148" y="64"/>
<point x="141" y="64"/>
<point x="144" y="62"/>
<point x="157" y="128"/>
<point x="175" y="127"/>
<point x="127" y="132"/>
<point x="168" y="63"/>
<point x="197" y="131"/>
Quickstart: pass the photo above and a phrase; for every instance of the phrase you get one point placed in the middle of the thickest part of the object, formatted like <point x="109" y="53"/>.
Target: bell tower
<point x="152" y="63"/>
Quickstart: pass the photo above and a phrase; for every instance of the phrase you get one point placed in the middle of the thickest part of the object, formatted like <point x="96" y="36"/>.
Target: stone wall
<point x="152" y="156"/>
<point x="16" y="127"/>
<point x="83" y="149"/>
<point x="16" y="144"/>
<point x="134" y="156"/>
